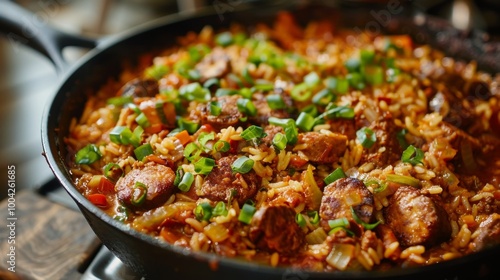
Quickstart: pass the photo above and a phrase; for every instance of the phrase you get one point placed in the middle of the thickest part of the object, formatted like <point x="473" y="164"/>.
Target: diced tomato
<point x="233" y="146"/>
<point x="105" y="186"/>
<point x="297" y="162"/>
<point x="98" y="200"/>
<point x="207" y="128"/>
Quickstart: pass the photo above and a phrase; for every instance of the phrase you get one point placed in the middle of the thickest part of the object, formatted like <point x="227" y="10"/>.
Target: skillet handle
<point x="23" y="27"/>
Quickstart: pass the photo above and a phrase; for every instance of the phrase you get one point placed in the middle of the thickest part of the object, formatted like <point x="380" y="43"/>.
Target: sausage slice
<point x="416" y="219"/>
<point x="273" y="228"/>
<point x="322" y="148"/>
<point x="489" y="233"/>
<point x="158" y="180"/>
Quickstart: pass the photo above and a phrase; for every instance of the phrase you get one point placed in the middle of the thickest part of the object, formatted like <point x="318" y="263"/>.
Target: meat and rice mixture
<point x="309" y="147"/>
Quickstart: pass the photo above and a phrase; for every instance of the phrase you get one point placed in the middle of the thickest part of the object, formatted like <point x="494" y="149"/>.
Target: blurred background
<point x="28" y="79"/>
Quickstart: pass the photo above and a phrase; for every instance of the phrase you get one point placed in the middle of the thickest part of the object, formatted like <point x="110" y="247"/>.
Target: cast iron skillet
<point x="158" y="260"/>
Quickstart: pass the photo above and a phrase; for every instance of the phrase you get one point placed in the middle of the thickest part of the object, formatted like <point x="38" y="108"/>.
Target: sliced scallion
<point x="242" y="165"/>
<point x="214" y="108"/>
<point x="220" y="209"/>
<point x="143" y="151"/>
<point x="412" y="155"/>
<point x="246" y="107"/>
<point x="366" y="137"/>
<point x="221" y="146"/>
<point x="204" y="165"/>
<point x="224" y="39"/>
<point x="313" y="217"/>
<point x="402" y="179"/>
<point x="279" y="141"/>
<point x="334" y="176"/>
<point x="142" y="120"/>
<point x="88" y="154"/>
<point x="185" y="124"/>
<point x="301" y="92"/>
<point x="300" y="220"/>
<point x="112" y="171"/>
<point x="340" y="222"/>
<point x="323" y="97"/>
<point x="186" y="182"/>
<point x="361" y="222"/>
<point x="246" y="213"/>
<point x="252" y="133"/>
<point x="203" y="211"/>
<point x="139" y="194"/>
<point x="275" y="102"/>
<point x="305" y="121"/>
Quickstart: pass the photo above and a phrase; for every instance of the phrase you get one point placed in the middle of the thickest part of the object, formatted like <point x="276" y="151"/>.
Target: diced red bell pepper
<point x="98" y="200"/>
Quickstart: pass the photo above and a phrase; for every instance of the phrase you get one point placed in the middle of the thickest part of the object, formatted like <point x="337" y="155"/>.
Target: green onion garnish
<point x="301" y="92"/>
<point x="301" y="221"/>
<point x="242" y="165"/>
<point x="119" y="100"/>
<point x="279" y="141"/>
<point x="179" y="173"/>
<point x="402" y="179"/>
<point x="355" y="80"/>
<point x="224" y="39"/>
<point x="352" y="64"/>
<point x="204" y="137"/>
<point x="221" y="146"/>
<point x="305" y="121"/>
<point x="401" y="138"/>
<point x="212" y="82"/>
<point x="246" y="75"/>
<point x="123" y="135"/>
<point x="142" y="120"/>
<point x="139" y="193"/>
<point x="342" y="112"/>
<point x="334" y="176"/>
<point x="246" y="213"/>
<point x="246" y="107"/>
<point x="88" y="154"/>
<point x="380" y="186"/>
<point x="263" y="85"/>
<point x="366" y="137"/>
<point x="225" y="91"/>
<point x="323" y="97"/>
<point x="192" y="151"/>
<point x="220" y="209"/>
<point x="112" y="171"/>
<point x="340" y="222"/>
<point x="367" y="56"/>
<point x="185" y="124"/>
<point x="186" y="182"/>
<point x="374" y="74"/>
<point x="204" y="165"/>
<point x="275" y="102"/>
<point x="156" y="71"/>
<point x="342" y="85"/>
<point x="359" y="221"/>
<point x="312" y="79"/>
<point x="203" y="211"/>
<point x="214" y="108"/>
<point x="412" y="155"/>
<point x="194" y="91"/>
<point x="143" y="151"/>
<point x="313" y="217"/>
<point x="253" y="133"/>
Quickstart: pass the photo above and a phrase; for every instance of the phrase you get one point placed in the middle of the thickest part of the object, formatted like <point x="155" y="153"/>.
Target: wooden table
<point x="51" y="240"/>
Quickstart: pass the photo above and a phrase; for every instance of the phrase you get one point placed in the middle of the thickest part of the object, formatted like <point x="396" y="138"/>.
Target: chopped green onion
<point x="143" y="151"/>
<point x="194" y="92"/>
<point x="391" y="74"/>
<point x="203" y="211"/>
<point x="220" y="209"/>
<point x="366" y="137"/>
<point x="196" y="53"/>
<point x="119" y="100"/>
<point x="160" y="111"/>
<point x="291" y="131"/>
<point x="204" y="137"/>
<point x="275" y="102"/>
<point x="235" y="79"/>
<point x="134" y="108"/>
<point x="246" y="213"/>
<point x="193" y="74"/>
<point x="225" y="91"/>
<point x="252" y="133"/>
<point x="88" y="154"/>
<point x="263" y="85"/>
<point x="412" y="155"/>
<point x="348" y="231"/>
<point x="214" y="108"/>
<point x="373" y="74"/>
<point x="186" y="182"/>
<point x="356" y="80"/>
<point x="246" y="75"/>
<point x="402" y="179"/>
<point x="139" y="194"/>
<point x="246" y="93"/>
<point x="312" y="79"/>
<point x="305" y="121"/>
<point x="342" y="85"/>
<point x="142" y="120"/>
<point x="224" y="39"/>
<point x="313" y="217"/>
<point x="246" y="107"/>
<point x="242" y="165"/>
<point x="401" y="138"/>
<point x="179" y="173"/>
<point x="380" y="186"/>
<point x="279" y="141"/>
<point x="352" y="64"/>
<point x="212" y="82"/>
<point x="301" y="221"/>
<point x="311" y="109"/>
<point x="367" y="56"/>
<point x="342" y="112"/>
<point x="156" y="71"/>
<point x="334" y="176"/>
<point x="330" y="83"/>
<point x="280" y="122"/>
<point x="340" y="222"/>
<point x="185" y="124"/>
<point x="361" y="222"/>
<point x="192" y="151"/>
<point x="301" y="92"/>
<point x="323" y="97"/>
<point x="112" y="171"/>
<point x="204" y="165"/>
<point x="123" y="135"/>
<point x="221" y="146"/>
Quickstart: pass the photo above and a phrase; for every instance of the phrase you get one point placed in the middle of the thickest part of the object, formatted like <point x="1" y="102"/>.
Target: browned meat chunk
<point x="343" y="126"/>
<point x="271" y="131"/>
<point x="214" y="65"/>
<point x="386" y="149"/>
<point x="140" y="88"/>
<point x="489" y="233"/>
<point x="340" y="195"/>
<point x="273" y="228"/>
<point x="158" y="180"/>
<point x="416" y="219"/>
<point x="322" y="148"/>
<point x="457" y="111"/>
<point x="264" y="112"/>
<point x="221" y="182"/>
<point x="229" y="115"/>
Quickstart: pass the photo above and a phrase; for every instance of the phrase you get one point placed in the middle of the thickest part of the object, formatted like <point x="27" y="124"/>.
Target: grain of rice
<point x="373" y="255"/>
<point x="465" y="203"/>
<point x="480" y="196"/>
<point x="416" y="250"/>
<point x="451" y="255"/>
<point x="275" y="257"/>
<point x="416" y="259"/>
<point x="463" y="237"/>
<point x="435" y="189"/>
<point x="283" y="160"/>
<point x="364" y="259"/>
<point x="391" y="249"/>
<point x="454" y="228"/>
<point x="197" y="225"/>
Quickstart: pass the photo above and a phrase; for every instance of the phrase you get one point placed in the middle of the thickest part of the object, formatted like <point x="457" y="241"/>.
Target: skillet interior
<point x="155" y="259"/>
